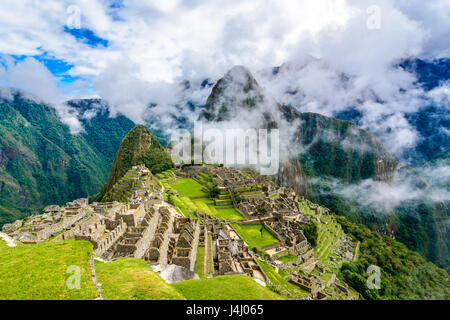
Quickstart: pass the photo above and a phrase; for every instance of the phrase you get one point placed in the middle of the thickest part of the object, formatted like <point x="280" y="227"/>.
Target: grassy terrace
<point x="201" y="260"/>
<point x="288" y="258"/>
<point x="252" y="235"/>
<point x="279" y="282"/>
<point x="38" y="272"/>
<point x="199" y="267"/>
<point x="189" y="189"/>
<point x="132" y="279"/>
<point x="234" y="287"/>
<point x="328" y="234"/>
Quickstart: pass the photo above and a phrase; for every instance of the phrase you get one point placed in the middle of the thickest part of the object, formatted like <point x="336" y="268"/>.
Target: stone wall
<point x="65" y="223"/>
<point x="112" y="237"/>
<point x="143" y="244"/>
<point x="133" y="216"/>
<point x="185" y="257"/>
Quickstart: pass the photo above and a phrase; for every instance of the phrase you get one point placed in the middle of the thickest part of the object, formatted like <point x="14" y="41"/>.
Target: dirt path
<point x="9" y="241"/>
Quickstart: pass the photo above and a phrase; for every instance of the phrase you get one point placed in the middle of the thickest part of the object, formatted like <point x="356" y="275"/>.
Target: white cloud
<point x="33" y="77"/>
<point x="154" y="45"/>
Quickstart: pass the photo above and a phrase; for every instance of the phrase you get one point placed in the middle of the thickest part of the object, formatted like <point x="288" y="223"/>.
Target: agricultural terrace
<point x="188" y="195"/>
<point x="278" y="283"/>
<point x="251" y="234"/>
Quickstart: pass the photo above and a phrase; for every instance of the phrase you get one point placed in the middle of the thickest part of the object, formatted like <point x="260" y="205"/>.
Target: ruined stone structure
<point x="231" y="254"/>
<point x="289" y="233"/>
<point x="183" y="253"/>
<point x="136" y="186"/>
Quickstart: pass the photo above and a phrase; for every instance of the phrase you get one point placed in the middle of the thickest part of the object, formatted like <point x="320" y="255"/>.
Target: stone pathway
<point x="9" y="241"/>
<point x="94" y="279"/>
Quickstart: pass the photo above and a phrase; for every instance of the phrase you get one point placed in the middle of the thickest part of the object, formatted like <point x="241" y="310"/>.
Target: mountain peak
<point x="237" y="96"/>
<point x="239" y="75"/>
<point x="137" y="147"/>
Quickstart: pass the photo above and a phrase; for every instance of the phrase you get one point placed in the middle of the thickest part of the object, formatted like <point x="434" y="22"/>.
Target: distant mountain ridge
<point x="42" y="163"/>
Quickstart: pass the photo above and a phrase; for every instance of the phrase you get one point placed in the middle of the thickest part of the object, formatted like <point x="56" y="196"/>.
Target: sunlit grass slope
<point x="39" y="271"/>
<point x="132" y="279"/>
<point x="233" y="287"/>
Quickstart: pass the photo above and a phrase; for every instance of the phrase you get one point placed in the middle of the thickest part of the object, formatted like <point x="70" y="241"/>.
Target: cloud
<point x="153" y="47"/>
<point x="39" y="85"/>
<point x="32" y="76"/>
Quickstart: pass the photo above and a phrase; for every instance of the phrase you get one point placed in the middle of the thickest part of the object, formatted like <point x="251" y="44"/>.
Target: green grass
<point x="132" y="279"/>
<point x="279" y="281"/>
<point x="252" y="235"/>
<point x="233" y="287"/>
<point x="209" y="261"/>
<point x="38" y="271"/>
<point x="188" y="188"/>
<point x="288" y="258"/>
<point x="199" y="267"/>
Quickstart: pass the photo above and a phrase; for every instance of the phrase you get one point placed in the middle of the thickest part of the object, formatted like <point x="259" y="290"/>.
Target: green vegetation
<point x="137" y="147"/>
<point x="192" y="197"/>
<point x="156" y="159"/>
<point x="342" y="151"/>
<point x="39" y="271"/>
<point x="287" y="258"/>
<point x="200" y="262"/>
<point x="404" y="273"/>
<point x="311" y="233"/>
<point x="278" y="282"/>
<point x="234" y="287"/>
<point x="188" y="188"/>
<point x="132" y="279"/>
<point x="209" y="258"/>
<point x="252" y="235"/>
<point x="43" y="163"/>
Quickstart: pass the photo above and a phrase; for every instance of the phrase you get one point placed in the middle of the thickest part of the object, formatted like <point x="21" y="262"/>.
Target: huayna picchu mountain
<point x="138" y="147"/>
<point x="204" y="232"/>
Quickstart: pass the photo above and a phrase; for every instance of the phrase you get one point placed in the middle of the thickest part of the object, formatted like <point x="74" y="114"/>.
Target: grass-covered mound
<point x="132" y="279"/>
<point x="234" y="287"/>
<point x="39" y="272"/>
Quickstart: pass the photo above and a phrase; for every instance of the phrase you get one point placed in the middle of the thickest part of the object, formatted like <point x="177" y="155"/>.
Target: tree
<point x="311" y="233"/>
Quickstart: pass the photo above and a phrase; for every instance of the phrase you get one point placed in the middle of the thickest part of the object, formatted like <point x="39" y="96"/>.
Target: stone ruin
<point x="147" y="228"/>
<point x="253" y="195"/>
<point x="136" y="186"/>
<point x="289" y="233"/>
<point x="230" y="253"/>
